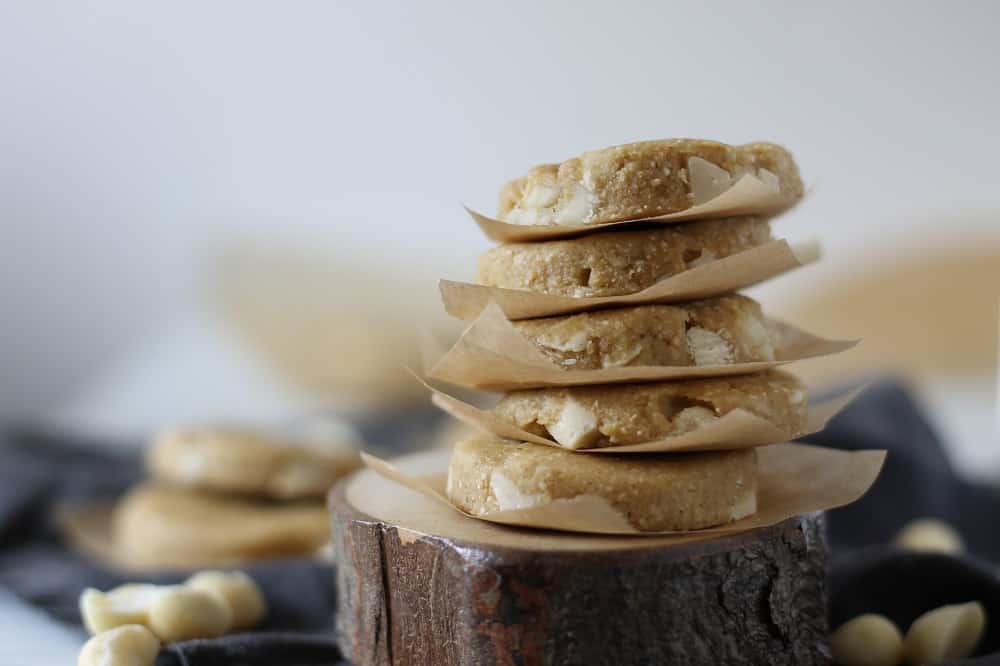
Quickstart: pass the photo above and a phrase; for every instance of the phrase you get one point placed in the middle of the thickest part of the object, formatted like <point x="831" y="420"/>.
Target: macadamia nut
<point x="945" y="633"/>
<point x="929" y="534"/>
<point x="127" y="645"/>
<point x="240" y="592"/>
<point x="126" y="604"/>
<point x="172" y="612"/>
<point x="207" y="605"/>
<point x="867" y="640"/>
<point x="181" y="613"/>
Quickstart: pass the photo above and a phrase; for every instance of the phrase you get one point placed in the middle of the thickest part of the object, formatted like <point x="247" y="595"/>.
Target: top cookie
<point x="642" y="180"/>
<point x="240" y="460"/>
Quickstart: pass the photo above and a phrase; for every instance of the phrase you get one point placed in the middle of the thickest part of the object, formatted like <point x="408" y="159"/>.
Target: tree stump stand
<point x="420" y="584"/>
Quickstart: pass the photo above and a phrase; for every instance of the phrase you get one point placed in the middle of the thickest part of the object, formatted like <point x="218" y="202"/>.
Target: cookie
<point x="617" y="262"/>
<point x="584" y="417"/>
<point x="715" y="331"/>
<point x="240" y="460"/>
<point x="160" y="526"/>
<point x="642" y="180"/>
<point x="654" y="492"/>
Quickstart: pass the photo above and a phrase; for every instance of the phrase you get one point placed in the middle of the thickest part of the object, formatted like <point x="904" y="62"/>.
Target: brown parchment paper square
<point x="748" y="196"/>
<point x="792" y="479"/>
<point x="493" y="355"/>
<point x="465" y="300"/>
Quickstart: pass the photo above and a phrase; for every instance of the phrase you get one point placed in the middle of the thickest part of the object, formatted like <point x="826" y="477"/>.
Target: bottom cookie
<point x="654" y="492"/>
<point x="159" y="526"/>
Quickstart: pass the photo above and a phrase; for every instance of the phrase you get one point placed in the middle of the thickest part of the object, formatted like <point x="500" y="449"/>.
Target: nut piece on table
<point x="181" y="613"/>
<point x="576" y="427"/>
<point x="867" y="640"/>
<point x="240" y="592"/>
<point x="127" y="645"/>
<point x="945" y="633"/>
<point x="172" y="612"/>
<point x="931" y="535"/>
<point x="125" y="604"/>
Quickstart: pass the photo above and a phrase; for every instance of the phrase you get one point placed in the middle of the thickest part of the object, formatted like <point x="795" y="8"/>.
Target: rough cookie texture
<point x="618" y="262"/>
<point x="655" y="492"/>
<point x="158" y="526"/>
<point x="641" y="180"/>
<point x="584" y="417"/>
<point x="239" y="460"/>
<point x="715" y="331"/>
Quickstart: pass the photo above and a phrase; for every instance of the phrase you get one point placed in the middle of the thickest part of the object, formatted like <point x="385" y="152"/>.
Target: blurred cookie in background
<point x="266" y="464"/>
<point x="220" y="495"/>
<point x="928" y="314"/>
<point x="157" y="526"/>
<point x="344" y="334"/>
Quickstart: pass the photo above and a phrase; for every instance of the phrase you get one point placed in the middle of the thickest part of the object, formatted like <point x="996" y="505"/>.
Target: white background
<point x="134" y="137"/>
<point x="137" y="137"/>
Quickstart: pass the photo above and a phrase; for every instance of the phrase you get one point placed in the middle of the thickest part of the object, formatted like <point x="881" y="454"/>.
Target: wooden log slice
<point x="418" y="583"/>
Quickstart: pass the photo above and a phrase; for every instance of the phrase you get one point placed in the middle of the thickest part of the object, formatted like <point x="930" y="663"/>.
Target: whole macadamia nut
<point x="127" y="645"/>
<point x="239" y="590"/>
<point x="125" y="604"/>
<point x="945" y="633"/>
<point x="931" y="535"/>
<point x="867" y="640"/>
<point x="182" y="613"/>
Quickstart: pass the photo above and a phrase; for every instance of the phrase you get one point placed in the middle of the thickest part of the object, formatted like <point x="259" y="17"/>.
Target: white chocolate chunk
<point x="529" y="216"/>
<point x="576" y="427"/>
<point x="578" y="209"/>
<point x="707" y="180"/>
<point x="769" y="179"/>
<point x="692" y="418"/>
<point x="508" y="495"/>
<point x="708" y="347"/>
<point x="624" y="358"/>
<point x="945" y="634"/>
<point x="574" y="343"/>
<point x="540" y="196"/>
<point x="867" y="640"/>
<point x="127" y="645"/>
<point x="756" y="335"/>
<point x="706" y="257"/>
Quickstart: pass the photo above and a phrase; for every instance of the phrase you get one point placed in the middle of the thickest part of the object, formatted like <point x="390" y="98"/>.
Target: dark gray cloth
<point x="917" y="481"/>
<point x="37" y="472"/>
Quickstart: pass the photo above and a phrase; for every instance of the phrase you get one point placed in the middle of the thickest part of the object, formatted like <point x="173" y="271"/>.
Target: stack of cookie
<point x="659" y="491"/>
<point x="220" y="495"/>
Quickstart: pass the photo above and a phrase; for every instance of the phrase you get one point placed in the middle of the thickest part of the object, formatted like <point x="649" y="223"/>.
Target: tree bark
<point x="414" y="597"/>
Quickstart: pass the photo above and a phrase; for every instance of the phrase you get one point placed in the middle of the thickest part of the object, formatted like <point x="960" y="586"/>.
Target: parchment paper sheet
<point x="792" y="479"/>
<point x="466" y="300"/>
<point x="493" y="355"/>
<point x="737" y="429"/>
<point x="747" y="196"/>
